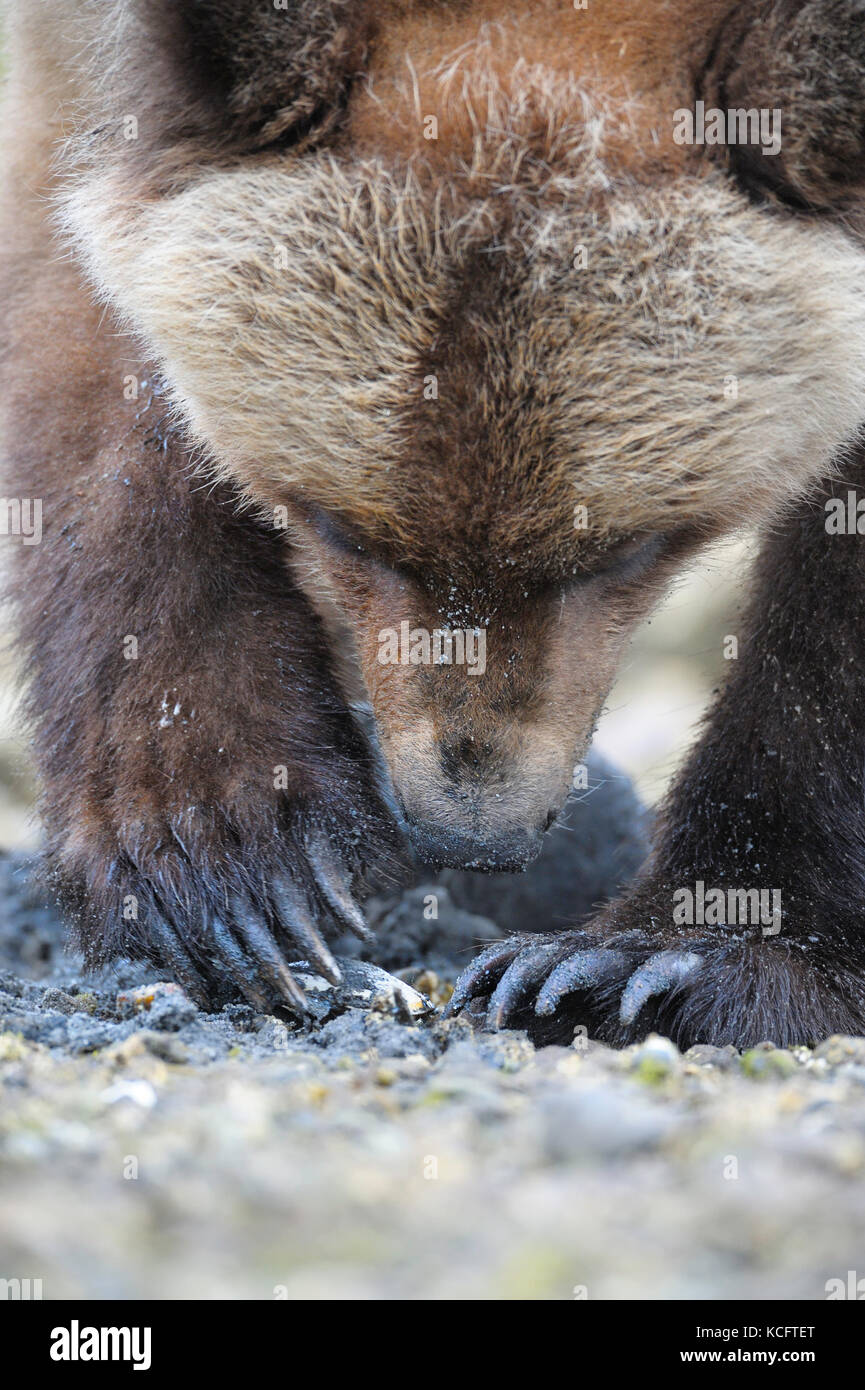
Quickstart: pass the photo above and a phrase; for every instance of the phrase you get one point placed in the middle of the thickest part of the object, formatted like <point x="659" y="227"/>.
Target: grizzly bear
<point x="375" y="364"/>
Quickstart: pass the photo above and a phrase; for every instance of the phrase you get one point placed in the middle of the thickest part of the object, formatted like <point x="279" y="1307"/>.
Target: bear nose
<point x="444" y="847"/>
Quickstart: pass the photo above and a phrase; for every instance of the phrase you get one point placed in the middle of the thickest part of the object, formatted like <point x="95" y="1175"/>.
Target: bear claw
<point x="537" y="974"/>
<point x="485" y="970"/>
<point x="253" y="965"/>
<point x="331" y="883"/>
<point x="295" y="919"/>
<point x="174" y="954"/>
<point x="530" y="966"/>
<point x="661" y="972"/>
<point x="581" y="971"/>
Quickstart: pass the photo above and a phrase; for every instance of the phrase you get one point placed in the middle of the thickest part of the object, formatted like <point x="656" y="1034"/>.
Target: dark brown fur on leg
<point x="206" y="796"/>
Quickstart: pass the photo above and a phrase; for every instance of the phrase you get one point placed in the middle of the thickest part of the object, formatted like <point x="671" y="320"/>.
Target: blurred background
<point x="19" y="827"/>
<point x="674" y="663"/>
<point x="665" y="683"/>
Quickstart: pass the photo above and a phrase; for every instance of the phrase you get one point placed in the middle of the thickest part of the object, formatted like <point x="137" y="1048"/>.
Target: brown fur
<point x="285" y="263"/>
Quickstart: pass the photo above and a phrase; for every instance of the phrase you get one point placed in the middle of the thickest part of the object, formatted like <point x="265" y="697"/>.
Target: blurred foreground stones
<point x="168" y="1157"/>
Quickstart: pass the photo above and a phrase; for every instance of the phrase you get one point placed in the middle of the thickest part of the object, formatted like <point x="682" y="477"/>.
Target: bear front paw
<point x="528" y="980"/>
<point x="253" y="932"/>
<point x="227" y="918"/>
<point x="617" y="982"/>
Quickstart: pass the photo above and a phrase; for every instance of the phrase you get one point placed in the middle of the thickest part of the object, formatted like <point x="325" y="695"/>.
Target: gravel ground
<point x="151" y="1150"/>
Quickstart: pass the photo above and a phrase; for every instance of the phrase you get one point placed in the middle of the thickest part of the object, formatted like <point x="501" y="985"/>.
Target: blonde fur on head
<point x="662" y="355"/>
<point x="321" y="291"/>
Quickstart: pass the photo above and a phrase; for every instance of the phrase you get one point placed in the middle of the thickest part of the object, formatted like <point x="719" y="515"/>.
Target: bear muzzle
<point x="486" y="851"/>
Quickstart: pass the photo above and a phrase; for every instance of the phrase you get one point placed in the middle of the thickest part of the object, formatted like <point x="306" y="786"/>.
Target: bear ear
<point x="806" y="60"/>
<point x="245" y="73"/>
